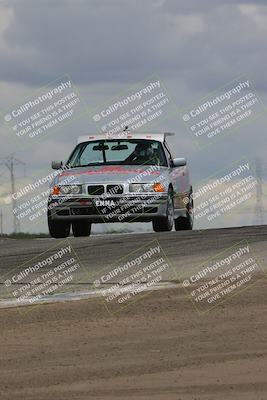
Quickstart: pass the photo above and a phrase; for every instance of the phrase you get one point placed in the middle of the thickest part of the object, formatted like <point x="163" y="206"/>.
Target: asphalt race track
<point x="182" y="248"/>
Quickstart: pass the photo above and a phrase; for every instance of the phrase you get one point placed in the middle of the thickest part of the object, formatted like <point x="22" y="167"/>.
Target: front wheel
<point x="165" y="224"/>
<point x="81" y="228"/>
<point x="58" y="229"/>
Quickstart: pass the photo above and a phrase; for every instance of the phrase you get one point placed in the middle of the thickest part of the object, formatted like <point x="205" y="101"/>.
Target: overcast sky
<point x="107" y="46"/>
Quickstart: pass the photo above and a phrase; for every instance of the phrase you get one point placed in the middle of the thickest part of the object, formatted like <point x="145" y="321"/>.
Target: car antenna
<point x="126" y="128"/>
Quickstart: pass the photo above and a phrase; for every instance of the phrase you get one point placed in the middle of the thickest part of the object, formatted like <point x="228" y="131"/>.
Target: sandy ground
<point x="160" y="348"/>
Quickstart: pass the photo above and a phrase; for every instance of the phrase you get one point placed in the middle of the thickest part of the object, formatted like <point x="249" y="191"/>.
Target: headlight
<point x="141" y="187"/>
<point x="67" y="189"/>
<point x="146" y="187"/>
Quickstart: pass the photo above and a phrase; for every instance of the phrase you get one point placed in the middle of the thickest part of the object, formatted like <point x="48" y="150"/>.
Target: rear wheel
<point x="186" y="223"/>
<point x="183" y="223"/>
<point x="58" y="229"/>
<point x="164" y="224"/>
<point x="81" y="228"/>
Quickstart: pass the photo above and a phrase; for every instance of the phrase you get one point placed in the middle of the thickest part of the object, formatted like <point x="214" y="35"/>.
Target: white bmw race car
<point x="132" y="177"/>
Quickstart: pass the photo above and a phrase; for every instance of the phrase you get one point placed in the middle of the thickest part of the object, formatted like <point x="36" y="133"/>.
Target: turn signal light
<point x="158" y="187"/>
<point x="56" y="190"/>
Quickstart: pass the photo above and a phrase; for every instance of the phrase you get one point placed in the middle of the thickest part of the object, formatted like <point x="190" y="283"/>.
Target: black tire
<point x="81" y="228"/>
<point x="183" y="223"/>
<point x="58" y="229"/>
<point x="186" y="223"/>
<point x="165" y="224"/>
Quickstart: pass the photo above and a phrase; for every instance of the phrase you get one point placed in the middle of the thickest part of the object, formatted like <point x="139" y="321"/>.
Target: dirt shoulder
<point x="160" y="348"/>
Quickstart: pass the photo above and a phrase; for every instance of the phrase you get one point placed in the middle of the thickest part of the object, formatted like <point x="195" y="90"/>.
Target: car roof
<point x="159" y="136"/>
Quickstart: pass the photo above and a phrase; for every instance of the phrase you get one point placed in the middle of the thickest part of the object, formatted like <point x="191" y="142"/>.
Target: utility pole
<point x="1" y="223"/>
<point x="259" y="211"/>
<point x="10" y="162"/>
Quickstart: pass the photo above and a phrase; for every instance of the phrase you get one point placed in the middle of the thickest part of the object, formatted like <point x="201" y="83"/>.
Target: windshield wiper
<point x="87" y="165"/>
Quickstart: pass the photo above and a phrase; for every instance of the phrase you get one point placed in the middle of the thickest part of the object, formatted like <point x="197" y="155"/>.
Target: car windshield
<point x="118" y="152"/>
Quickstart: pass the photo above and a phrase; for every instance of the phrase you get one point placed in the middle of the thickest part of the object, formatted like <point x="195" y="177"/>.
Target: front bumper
<point x="127" y="208"/>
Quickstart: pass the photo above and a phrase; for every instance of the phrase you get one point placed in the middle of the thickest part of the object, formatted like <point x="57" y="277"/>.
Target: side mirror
<point x="56" y="164"/>
<point x="178" y="162"/>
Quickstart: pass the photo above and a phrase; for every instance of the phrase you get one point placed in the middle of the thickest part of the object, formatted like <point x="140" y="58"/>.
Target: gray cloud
<point x="125" y="41"/>
<point x="203" y="6"/>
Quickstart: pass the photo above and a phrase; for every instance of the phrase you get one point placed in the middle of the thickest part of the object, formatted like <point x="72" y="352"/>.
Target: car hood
<point x="111" y="173"/>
